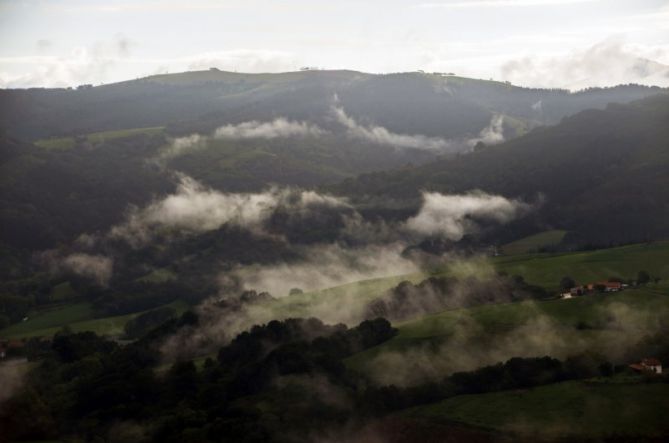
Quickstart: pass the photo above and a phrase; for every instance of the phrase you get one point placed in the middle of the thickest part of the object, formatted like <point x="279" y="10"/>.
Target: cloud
<point x="381" y="135"/>
<point x="84" y="64"/>
<point x="277" y="128"/>
<point x="182" y="145"/>
<point x="95" y="267"/>
<point x="196" y="208"/>
<point x="43" y="45"/>
<point x="280" y="127"/>
<point x="320" y="267"/>
<point x="614" y="330"/>
<point x="491" y="134"/>
<point x="453" y="216"/>
<point x="501" y="3"/>
<point x="324" y="266"/>
<point x="245" y="60"/>
<point x="607" y="63"/>
<point x="12" y="375"/>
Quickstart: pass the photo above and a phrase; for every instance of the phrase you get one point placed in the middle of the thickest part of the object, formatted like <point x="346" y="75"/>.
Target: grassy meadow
<point x="96" y="138"/>
<point x="573" y="409"/>
<point x="541" y="269"/>
<point x="464" y="339"/>
<point x="78" y="317"/>
<point x="625" y="262"/>
<point x="534" y="242"/>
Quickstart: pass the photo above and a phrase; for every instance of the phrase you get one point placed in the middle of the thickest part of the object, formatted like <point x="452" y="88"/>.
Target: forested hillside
<point x="600" y="174"/>
<point x="413" y="103"/>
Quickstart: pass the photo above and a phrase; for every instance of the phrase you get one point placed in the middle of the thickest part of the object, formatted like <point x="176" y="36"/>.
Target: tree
<point x="642" y="278"/>
<point x="567" y="283"/>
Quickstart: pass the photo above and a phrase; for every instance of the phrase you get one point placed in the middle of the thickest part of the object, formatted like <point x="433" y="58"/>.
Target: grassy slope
<point x="570" y="409"/>
<point x="79" y="317"/>
<point x="547" y="269"/>
<point x="542" y="269"/>
<point x="50" y="318"/>
<point x="534" y="242"/>
<point x="62" y="292"/>
<point x="96" y="137"/>
<point x="496" y="320"/>
<point x="161" y="275"/>
<point x="360" y="293"/>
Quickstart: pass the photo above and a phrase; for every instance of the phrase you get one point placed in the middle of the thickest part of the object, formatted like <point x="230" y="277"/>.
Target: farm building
<point x="652" y="365"/>
<point x="608" y="286"/>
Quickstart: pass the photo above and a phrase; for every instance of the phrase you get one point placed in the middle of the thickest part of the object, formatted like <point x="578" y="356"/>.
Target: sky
<point x="539" y="43"/>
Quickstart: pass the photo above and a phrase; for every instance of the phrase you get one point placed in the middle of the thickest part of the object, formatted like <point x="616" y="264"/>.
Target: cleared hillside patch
<point x="95" y="138"/>
<point x="625" y="262"/>
<point x="78" y="318"/>
<point x="534" y="243"/>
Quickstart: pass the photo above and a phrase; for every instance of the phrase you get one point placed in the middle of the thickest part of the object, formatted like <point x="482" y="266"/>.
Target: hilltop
<point x="429" y="104"/>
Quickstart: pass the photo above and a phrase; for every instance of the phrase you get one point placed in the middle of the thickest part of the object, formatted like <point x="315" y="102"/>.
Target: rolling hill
<point x="580" y="410"/>
<point x="199" y="101"/>
<point x="600" y="174"/>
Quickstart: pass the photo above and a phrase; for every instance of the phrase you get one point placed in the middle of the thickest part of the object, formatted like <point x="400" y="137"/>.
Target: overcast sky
<point x="555" y="43"/>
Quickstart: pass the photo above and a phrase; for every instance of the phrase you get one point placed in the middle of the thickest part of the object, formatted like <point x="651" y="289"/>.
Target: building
<point x="612" y="286"/>
<point x="605" y="286"/>
<point x="651" y="365"/>
<point x="577" y="290"/>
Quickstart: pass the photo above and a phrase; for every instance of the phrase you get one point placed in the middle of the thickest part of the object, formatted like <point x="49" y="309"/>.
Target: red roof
<point x="651" y="362"/>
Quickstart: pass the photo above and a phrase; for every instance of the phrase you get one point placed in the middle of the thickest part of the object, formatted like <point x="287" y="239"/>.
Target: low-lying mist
<point x="343" y="247"/>
<point x="471" y="340"/>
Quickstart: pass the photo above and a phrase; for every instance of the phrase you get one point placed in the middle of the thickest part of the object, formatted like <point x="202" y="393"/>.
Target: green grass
<point x="542" y="269"/>
<point x="563" y="410"/>
<point x="78" y="318"/>
<point x="56" y="143"/>
<point x="346" y="297"/>
<point x="96" y="138"/>
<point x="574" y="325"/>
<point x="561" y="327"/>
<point x="625" y="262"/>
<point x="162" y="275"/>
<point x="50" y="318"/>
<point x="62" y="292"/>
<point x="534" y="242"/>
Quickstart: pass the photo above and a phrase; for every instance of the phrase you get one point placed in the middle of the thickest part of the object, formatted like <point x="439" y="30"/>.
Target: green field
<point x="162" y="275"/>
<point x="347" y="301"/>
<point x="546" y="270"/>
<point x="534" y="242"/>
<point x="78" y="317"/>
<point x="62" y="292"/>
<point x="563" y="410"/>
<point x="350" y="298"/>
<point x="96" y="138"/>
<point x="464" y="339"/>
<point x="47" y="319"/>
